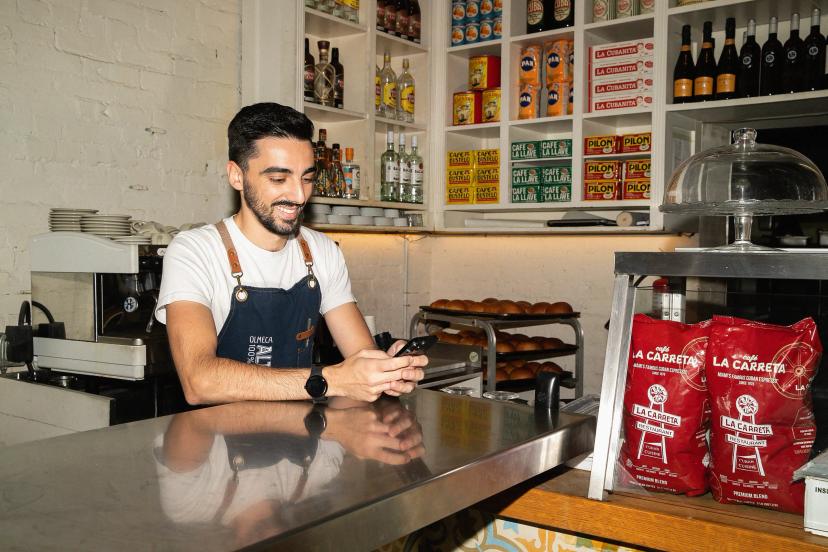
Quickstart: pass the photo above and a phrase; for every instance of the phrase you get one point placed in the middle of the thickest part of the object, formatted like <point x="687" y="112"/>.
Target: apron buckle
<point x="241" y="294"/>
<point x="312" y="278"/>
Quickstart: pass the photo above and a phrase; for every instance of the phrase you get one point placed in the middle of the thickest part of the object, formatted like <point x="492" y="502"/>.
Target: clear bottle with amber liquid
<point x="684" y="70"/>
<point x="704" y="80"/>
<point x="324" y="80"/>
<point x="728" y="64"/>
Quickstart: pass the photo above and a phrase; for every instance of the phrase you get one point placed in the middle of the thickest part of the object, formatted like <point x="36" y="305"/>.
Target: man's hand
<point x="369" y="373"/>
<point x="389" y="434"/>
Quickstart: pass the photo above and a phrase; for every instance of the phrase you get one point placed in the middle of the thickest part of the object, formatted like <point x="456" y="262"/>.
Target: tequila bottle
<point x="324" y="80"/>
<point x="405" y="109"/>
<point x="388" y="84"/>
<point x="404" y="186"/>
<point x="389" y="169"/>
<point x="415" y="162"/>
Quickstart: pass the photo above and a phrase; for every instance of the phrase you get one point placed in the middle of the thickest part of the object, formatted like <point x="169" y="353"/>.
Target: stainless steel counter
<point x="249" y="474"/>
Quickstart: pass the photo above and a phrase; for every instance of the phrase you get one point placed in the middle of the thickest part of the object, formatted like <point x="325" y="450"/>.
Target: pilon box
<point x="602" y="190"/>
<point x="636" y="189"/>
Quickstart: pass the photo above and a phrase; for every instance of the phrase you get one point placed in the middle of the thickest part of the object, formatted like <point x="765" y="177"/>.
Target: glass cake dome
<point x="743" y="180"/>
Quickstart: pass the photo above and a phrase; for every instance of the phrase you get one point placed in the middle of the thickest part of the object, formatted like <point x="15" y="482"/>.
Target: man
<point x="241" y="298"/>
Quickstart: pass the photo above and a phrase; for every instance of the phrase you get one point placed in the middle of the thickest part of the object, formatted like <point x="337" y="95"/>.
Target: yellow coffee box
<point x="603" y="169"/>
<point x="460" y="177"/>
<point x="487" y="158"/>
<point x="636" y="188"/>
<point x="484" y="176"/>
<point x="459" y="195"/>
<point x="599" y="145"/>
<point x="491" y="105"/>
<point x="459" y="159"/>
<point x="634" y="143"/>
<point x="637" y="168"/>
<point x="602" y="190"/>
<point x="488" y="193"/>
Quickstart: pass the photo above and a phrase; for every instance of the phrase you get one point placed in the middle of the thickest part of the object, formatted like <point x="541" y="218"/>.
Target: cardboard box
<point x="601" y="145"/>
<point x="459" y="159"/>
<point x="556" y="193"/>
<point x="526" y="176"/>
<point x="459" y="195"/>
<point x="489" y="193"/>
<point x="487" y="158"/>
<point x="636" y="189"/>
<point x="617" y="87"/>
<point x="621" y="69"/>
<point x="643" y="48"/>
<point x="637" y="168"/>
<point x="558" y="174"/>
<point x="555" y="148"/>
<point x="459" y="177"/>
<point x="602" y="190"/>
<point x="525" y="193"/>
<point x="603" y="169"/>
<point x="525" y="150"/>
<point x="634" y="143"/>
<point x="632" y="101"/>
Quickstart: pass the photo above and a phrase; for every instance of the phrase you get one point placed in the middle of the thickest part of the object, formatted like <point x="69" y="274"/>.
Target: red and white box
<point x="617" y="69"/>
<point x="626" y="101"/>
<point x="621" y="87"/>
<point x="643" y="48"/>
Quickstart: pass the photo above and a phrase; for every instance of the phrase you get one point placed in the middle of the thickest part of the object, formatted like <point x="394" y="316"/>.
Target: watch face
<point x="316" y="386"/>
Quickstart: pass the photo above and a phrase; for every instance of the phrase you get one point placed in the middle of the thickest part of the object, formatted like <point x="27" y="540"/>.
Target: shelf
<point x="618" y="155"/>
<point x="326" y="114"/>
<point x="397" y="46"/>
<point x="579" y="230"/>
<point x="545" y="161"/>
<point x="755" y="109"/>
<point x="627" y="28"/>
<point x="370" y="203"/>
<point x="482" y="130"/>
<point x="535" y="38"/>
<point x="321" y="24"/>
<point x="621" y="205"/>
<point x="361" y="229"/>
<point x="478" y="48"/>
<point x="541" y="121"/>
<point x="620" y="119"/>
<point x="394" y="123"/>
<point x="761" y="10"/>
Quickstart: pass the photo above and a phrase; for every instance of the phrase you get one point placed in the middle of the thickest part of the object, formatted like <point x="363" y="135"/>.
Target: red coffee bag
<point x="666" y="407"/>
<point x="762" y="429"/>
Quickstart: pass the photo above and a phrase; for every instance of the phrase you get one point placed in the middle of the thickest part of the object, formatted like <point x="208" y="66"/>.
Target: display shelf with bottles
<point x="319" y="23"/>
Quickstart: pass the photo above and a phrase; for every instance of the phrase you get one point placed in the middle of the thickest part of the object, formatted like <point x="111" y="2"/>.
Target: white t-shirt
<point x="196" y="269"/>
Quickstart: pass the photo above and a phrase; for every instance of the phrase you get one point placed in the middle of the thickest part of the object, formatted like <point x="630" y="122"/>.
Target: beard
<point x="267" y="214"/>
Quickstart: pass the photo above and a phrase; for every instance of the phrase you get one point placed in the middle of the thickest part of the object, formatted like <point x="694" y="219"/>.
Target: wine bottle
<point x="414" y="21"/>
<point x="815" y="55"/>
<point x="704" y="80"/>
<point x="684" y="71"/>
<point x="770" y="76"/>
<point x="793" y="66"/>
<point x="747" y="80"/>
<point x="728" y="64"/>
<point x="339" y="82"/>
<point x="310" y="64"/>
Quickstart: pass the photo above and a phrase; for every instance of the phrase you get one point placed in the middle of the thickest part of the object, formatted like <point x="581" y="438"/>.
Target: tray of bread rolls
<point x="511" y="346"/>
<point x="502" y="309"/>
<point x="520" y="375"/>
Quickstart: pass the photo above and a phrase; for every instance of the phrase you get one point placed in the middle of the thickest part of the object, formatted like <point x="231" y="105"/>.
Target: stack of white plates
<point x="134" y="240"/>
<point x="67" y="220"/>
<point x="106" y="226"/>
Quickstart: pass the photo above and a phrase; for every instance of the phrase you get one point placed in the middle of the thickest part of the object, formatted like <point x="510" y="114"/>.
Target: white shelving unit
<point x="272" y="62"/>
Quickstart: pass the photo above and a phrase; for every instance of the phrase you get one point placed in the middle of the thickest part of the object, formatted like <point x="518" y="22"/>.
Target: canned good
<point x="556" y="193"/>
<point x="497" y="28"/>
<point x="458" y="12"/>
<point x="646" y="6"/>
<point x="458" y="35"/>
<point x="472" y="11"/>
<point x="491" y="105"/>
<point x="603" y="10"/>
<point x="636" y="188"/>
<point x="486" y="9"/>
<point x="472" y="32"/>
<point x="571" y="101"/>
<point x="498" y="8"/>
<point x="486" y="30"/>
<point x="626" y="8"/>
<point x="528" y="102"/>
<point x="602" y="190"/>
<point x="484" y="72"/>
<point x="466" y="108"/>
<point x="571" y="60"/>
<point x="557" y="96"/>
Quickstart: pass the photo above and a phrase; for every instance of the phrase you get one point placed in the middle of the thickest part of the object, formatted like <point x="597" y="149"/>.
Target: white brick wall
<point x="119" y="105"/>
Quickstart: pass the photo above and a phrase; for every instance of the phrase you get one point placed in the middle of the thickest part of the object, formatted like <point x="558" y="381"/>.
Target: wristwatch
<point x="316" y="422"/>
<point x="316" y="386"/>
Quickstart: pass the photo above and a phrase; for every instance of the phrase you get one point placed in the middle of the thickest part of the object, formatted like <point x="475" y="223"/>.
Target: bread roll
<point x="490" y="300"/>
<point x="517" y="363"/>
<point x="504" y="347"/>
<point x="481" y="341"/>
<point x="552" y="343"/>
<point x="502" y="365"/>
<point x="521" y="373"/>
<point x="456" y="304"/>
<point x="539" y="308"/>
<point x="441" y="336"/>
<point x="510" y="307"/>
<point x="525" y="305"/>
<point x="490" y="308"/>
<point x="439" y="303"/>
<point x="550" y="367"/>
<point x="533" y="366"/>
<point x="474" y="306"/>
<point x="468" y="340"/>
<point x="561" y="307"/>
<point x="519" y="337"/>
<point x="451" y="338"/>
<point x="527" y="345"/>
<point x="467" y="333"/>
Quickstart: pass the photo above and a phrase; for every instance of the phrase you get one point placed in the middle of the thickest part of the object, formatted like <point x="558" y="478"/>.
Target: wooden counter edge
<point x="661" y="522"/>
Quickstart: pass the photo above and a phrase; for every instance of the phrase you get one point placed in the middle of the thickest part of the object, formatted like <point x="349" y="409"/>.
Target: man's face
<point x="278" y="182"/>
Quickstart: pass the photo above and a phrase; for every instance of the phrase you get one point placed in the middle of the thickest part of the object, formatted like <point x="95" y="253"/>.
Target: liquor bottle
<point x="321" y="184"/>
<point x="388" y="87"/>
<point x="684" y="71"/>
<point x="377" y="92"/>
<point x="793" y="66"/>
<point x="352" y="175"/>
<point x="390" y="21"/>
<point x="815" y="55"/>
<point x="414" y="20"/>
<point x="728" y="64"/>
<point x="401" y="28"/>
<point x="704" y="80"/>
<point x="339" y="82"/>
<point x="535" y="20"/>
<point x="389" y="170"/>
<point x="405" y="110"/>
<point x="404" y="185"/>
<point x="747" y="80"/>
<point x="324" y="79"/>
<point x="337" y="174"/>
<point x="415" y="162"/>
<point x="381" y="13"/>
<point x="562" y="14"/>
<point x="310" y="63"/>
<point x="770" y="75"/>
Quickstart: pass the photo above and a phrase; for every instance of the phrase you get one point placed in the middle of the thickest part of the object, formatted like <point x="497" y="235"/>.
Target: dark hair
<point x="264" y="120"/>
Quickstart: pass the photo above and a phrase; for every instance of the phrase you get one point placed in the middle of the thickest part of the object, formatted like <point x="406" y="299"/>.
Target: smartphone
<point x="417" y="346"/>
